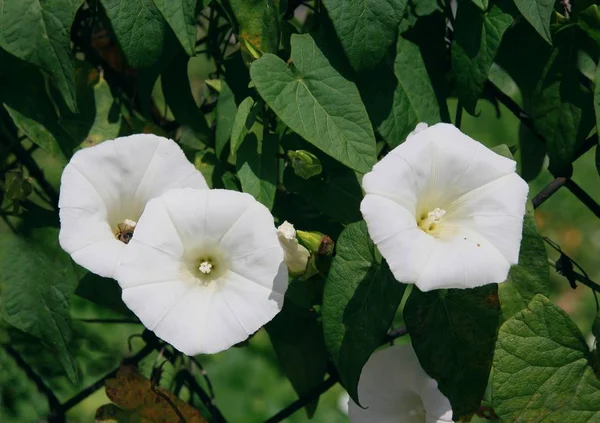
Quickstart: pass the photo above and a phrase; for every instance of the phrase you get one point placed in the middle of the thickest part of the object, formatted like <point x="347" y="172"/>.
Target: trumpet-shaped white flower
<point x="393" y="387"/>
<point x="445" y="211"/>
<point x="204" y="269"/>
<point x="105" y="188"/>
<point x="295" y="255"/>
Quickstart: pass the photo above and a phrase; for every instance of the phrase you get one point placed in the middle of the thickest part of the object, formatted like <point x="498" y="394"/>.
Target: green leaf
<point x="453" y="333"/>
<point x="99" y="117"/>
<point x="477" y="38"/>
<point x="541" y="369"/>
<point x="23" y="94"/>
<point x="102" y="291"/>
<point x="360" y="300"/>
<point x="181" y="17"/>
<point x="179" y="98"/>
<point x="337" y="194"/>
<point x="597" y="111"/>
<point x="258" y="24"/>
<point x="225" y="115"/>
<point x="242" y="123"/>
<point x="297" y="337"/>
<point x="366" y="28"/>
<point x="531" y="276"/>
<point x="560" y="104"/>
<point x="37" y="281"/>
<point x="318" y="103"/>
<point x="140" y="29"/>
<point x="538" y="14"/>
<point x="256" y="164"/>
<point x="39" y="32"/>
<point x="414" y="99"/>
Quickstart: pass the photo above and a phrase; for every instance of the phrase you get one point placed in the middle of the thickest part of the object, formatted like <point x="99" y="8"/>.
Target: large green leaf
<point x="102" y="291"/>
<point x="37" y="281"/>
<point x="23" y="94"/>
<point x="225" y="114"/>
<point x="40" y="33"/>
<point x="256" y="164"/>
<point x="541" y="369"/>
<point x="477" y="38"/>
<point x="453" y="333"/>
<point x="414" y="99"/>
<point x="140" y="29"/>
<point x="178" y="95"/>
<point x="561" y="105"/>
<point x="297" y="337"/>
<point x="366" y="28"/>
<point x="359" y="302"/>
<point x="531" y="276"/>
<point x="181" y="17"/>
<point x="318" y="103"/>
<point x="538" y="14"/>
<point x="337" y="193"/>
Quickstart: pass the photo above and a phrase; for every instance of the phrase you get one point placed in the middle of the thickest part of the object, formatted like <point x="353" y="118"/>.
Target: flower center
<point x="430" y="221"/>
<point x="125" y="230"/>
<point x="205" y="267"/>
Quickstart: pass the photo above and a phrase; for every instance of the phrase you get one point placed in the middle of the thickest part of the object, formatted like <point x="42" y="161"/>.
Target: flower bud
<point x="305" y="164"/>
<point x="295" y="255"/>
<point x="316" y="242"/>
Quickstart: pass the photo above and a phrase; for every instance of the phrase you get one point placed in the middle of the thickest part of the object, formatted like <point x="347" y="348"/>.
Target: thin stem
<point x="459" y="113"/>
<point x="571" y="273"/>
<point x="548" y="191"/>
<point x="583" y="196"/>
<point x="304" y="400"/>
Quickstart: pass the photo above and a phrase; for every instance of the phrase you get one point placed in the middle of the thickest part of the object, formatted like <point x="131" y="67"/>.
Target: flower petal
<point x="394" y="230"/>
<point x="394" y="388"/>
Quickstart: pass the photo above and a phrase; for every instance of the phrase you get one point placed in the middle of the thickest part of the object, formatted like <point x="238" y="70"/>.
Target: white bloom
<point x="394" y="388"/>
<point x="105" y="188"/>
<point x="445" y="211"/>
<point x="204" y="269"/>
<point x="296" y="255"/>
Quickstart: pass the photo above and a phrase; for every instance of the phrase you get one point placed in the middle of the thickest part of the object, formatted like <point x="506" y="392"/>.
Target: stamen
<point x="205" y="267"/>
<point x="429" y="221"/>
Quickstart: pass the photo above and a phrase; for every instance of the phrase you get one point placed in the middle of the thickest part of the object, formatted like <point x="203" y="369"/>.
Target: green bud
<point x="305" y="164"/>
<point x="316" y="242"/>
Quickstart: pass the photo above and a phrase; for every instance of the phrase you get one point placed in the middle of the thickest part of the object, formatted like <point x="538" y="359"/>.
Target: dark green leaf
<point x="241" y="123"/>
<point x="318" y="103"/>
<point x="366" y="28"/>
<point x="597" y="112"/>
<point x="297" y="337"/>
<point x="541" y="369"/>
<point x="181" y="17"/>
<point x="102" y="291"/>
<point x="337" y="193"/>
<point x="538" y="14"/>
<point x="359" y="302"/>
<point x="39" y="32"/>
<point x="561" y="105"/>
<point x="256" y="164"/>
<point x="179" y="98"/>
<point x="453" y="333"/>
<point x="531" y="276"/>
<point x="258" y="24"/>
<point x="140" y="29"/>
<point x="37" y="281"/>
<point x="225" y="115"/>
<point x="477" y="37"/>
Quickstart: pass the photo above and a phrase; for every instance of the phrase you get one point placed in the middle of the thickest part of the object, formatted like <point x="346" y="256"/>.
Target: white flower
<point x="445" y="211"/>
<point x="105" y="188"/>
<point x="393" y="387"/>
<point x="295" y="255"/>
<point x="204" y="269"/>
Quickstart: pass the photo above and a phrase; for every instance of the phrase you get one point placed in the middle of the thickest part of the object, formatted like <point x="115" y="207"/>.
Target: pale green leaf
<point x="318" y="103"/>
<point x="541" y="369"/>
<point x="39" y="32"/>
<point x="241" y="123"/>
<point x="359" y="302"/>
<point x="225" y="114"/>
<point x="366" y="28"/>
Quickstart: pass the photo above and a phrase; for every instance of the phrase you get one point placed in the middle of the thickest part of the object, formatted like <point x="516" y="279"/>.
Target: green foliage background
<point x="251" y="88"/>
